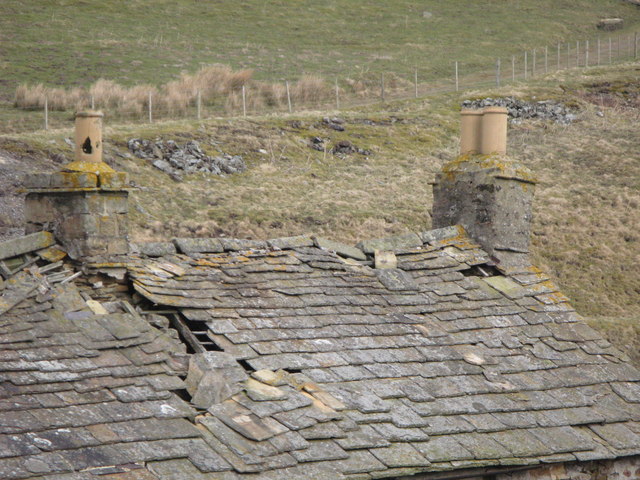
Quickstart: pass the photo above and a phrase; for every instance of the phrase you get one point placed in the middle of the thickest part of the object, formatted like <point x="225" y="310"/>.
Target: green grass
<point x="74" y="42"/>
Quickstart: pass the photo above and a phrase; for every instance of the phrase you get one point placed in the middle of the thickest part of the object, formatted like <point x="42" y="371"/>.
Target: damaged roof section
<point x="444" y="361"/>
<point x="311" y="362"/>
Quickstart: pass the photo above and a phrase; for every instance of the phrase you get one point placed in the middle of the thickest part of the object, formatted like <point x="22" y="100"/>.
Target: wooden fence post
<point x="533" y="64"/>
<point x="568" y="55"/>
<point x="150" y="109"/>
<point x="546" y="59"/>
<point x="525" y="64"/>
<point x="610" y="60"/>
<point x="577" y="53"/>
<point x="337" y="95"/>
<point x="558" y="56"/>
<point x="513" y="68"/>
<point x="598" y="56"/>
<point x="586" y="53"/>
<point x="199" y="104"/>
<point x="288" y="96"/>
<point x="635" y="45"/>
<point x="415" y="81"/>
<point x="457" y="81"/>
<point x="498" y="73"/>
<point x="382" y="86"/>
<point x="93" y="103"/>
<point x="46" y="113"/>
<point x="244" y="101"/>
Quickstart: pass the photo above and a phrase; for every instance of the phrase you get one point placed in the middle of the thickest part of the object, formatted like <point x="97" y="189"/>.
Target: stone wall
<point x="627" y="468"/>
<point x="86" y="212"/>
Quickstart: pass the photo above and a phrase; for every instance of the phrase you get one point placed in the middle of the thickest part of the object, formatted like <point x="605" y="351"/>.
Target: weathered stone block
<point x="107" y="225"/>
<point x="340" y="248"/>
<point x="37" y="180"/>
<point x="73" y="180"/>
<point x="38" y="208"/>
<point x="409" y="240"/>
<point x="118" y="246"/>
<point x="28" y="243"/>
<point x="198" y="245"/>
<point x="114" y="180"/>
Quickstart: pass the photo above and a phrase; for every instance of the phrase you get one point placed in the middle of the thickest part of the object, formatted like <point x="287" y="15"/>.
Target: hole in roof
<point x="244" y="364"/>
<point x="183" y="394"/>
<point x="292" y="370"/>
<point x="481" y="271"/>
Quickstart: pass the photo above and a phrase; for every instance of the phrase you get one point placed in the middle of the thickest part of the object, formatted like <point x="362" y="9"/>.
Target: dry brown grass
<point x="215" y="83"/>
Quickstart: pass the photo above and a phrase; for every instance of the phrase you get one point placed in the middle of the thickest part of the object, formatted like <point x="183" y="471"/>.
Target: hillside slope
<point x="70" y="43"/>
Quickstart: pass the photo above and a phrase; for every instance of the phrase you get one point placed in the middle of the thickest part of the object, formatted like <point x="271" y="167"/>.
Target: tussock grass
<point x="217" y="83"/>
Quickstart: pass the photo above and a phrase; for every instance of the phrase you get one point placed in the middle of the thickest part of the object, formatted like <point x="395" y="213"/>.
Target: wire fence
<point x="525" y="66"/>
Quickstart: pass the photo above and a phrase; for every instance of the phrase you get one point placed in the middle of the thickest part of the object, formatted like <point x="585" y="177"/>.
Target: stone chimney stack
<point x="483" y="190"/>
<point x="86" y="204"/>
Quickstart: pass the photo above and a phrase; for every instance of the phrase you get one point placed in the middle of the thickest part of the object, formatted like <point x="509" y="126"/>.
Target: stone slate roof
<point x="326" y="367"/>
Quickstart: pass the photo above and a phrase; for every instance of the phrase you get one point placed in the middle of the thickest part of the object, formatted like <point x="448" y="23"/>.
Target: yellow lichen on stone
<point x="89" y="167"/>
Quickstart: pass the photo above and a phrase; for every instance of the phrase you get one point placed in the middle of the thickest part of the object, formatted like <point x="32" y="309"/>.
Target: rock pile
<point x="168" y="156"/>
<point x="341" y="148"/>
<point x="520" y="110"/>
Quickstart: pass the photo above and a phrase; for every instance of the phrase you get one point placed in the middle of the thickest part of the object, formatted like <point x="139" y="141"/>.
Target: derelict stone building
<point x="434" y="355"/>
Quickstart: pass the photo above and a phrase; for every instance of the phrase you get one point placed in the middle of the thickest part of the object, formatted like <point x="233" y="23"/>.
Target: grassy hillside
<point x="74" y="42"/>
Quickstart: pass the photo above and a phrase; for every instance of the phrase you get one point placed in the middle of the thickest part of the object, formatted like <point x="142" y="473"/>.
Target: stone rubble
<point x="168" y="156"/>
<point x="520" y="110"/>
<point x="340" y="148"/>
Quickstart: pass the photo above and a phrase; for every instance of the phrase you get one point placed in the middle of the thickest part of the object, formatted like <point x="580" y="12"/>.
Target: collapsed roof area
<point x="307" y="363"/>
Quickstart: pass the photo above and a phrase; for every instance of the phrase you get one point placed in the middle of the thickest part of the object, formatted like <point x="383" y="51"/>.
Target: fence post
<point x="93" y="103"/>
<point x="337" y="95"/>
<point x="46" y="113"/>
<point x="586" y="53"/>
<point x="558" y="56"/>
<point x="610" y="60"/>
<point x="288" y="96"/>
<point x="513" y="68"/>
<point x="244" y="101"/>
<point x="525" y="64"/>
<point x="199" y="104"/>
<point x="577" y="53"/>
<point x="150" y="109"/>
<point x="546" y="59"/>
<point x="457" y="82"/>
<point x="498" y="73"/>
<point x="619" y="47"/>
<point x="568" y="55"/>
<point x="415" y="81"/>
<point x="635" y="45"/>
<point x="598" y="56"/>
<point x="533" y="64"/>
<point x="382" y="86"/>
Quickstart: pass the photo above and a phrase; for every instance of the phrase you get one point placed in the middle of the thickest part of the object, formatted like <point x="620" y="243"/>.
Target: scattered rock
<point x="520" y="110"/>
<point x="169" y="157"/>
<point x="341" y="148"/>
<point x="334" y="123"/>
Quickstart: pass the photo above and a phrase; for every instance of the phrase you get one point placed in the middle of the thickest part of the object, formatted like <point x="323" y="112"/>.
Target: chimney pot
<point x="494" y="131"/>
<point x="470" y="131"/>
<point x="88" y="136"/>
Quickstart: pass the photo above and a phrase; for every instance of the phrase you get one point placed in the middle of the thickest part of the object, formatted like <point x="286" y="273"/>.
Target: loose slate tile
<point x="400" y="455"/>
<point x="320" y="450"/>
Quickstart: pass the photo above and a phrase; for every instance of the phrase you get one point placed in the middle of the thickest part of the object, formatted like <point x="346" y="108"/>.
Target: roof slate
<point x="447" y="362"/>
